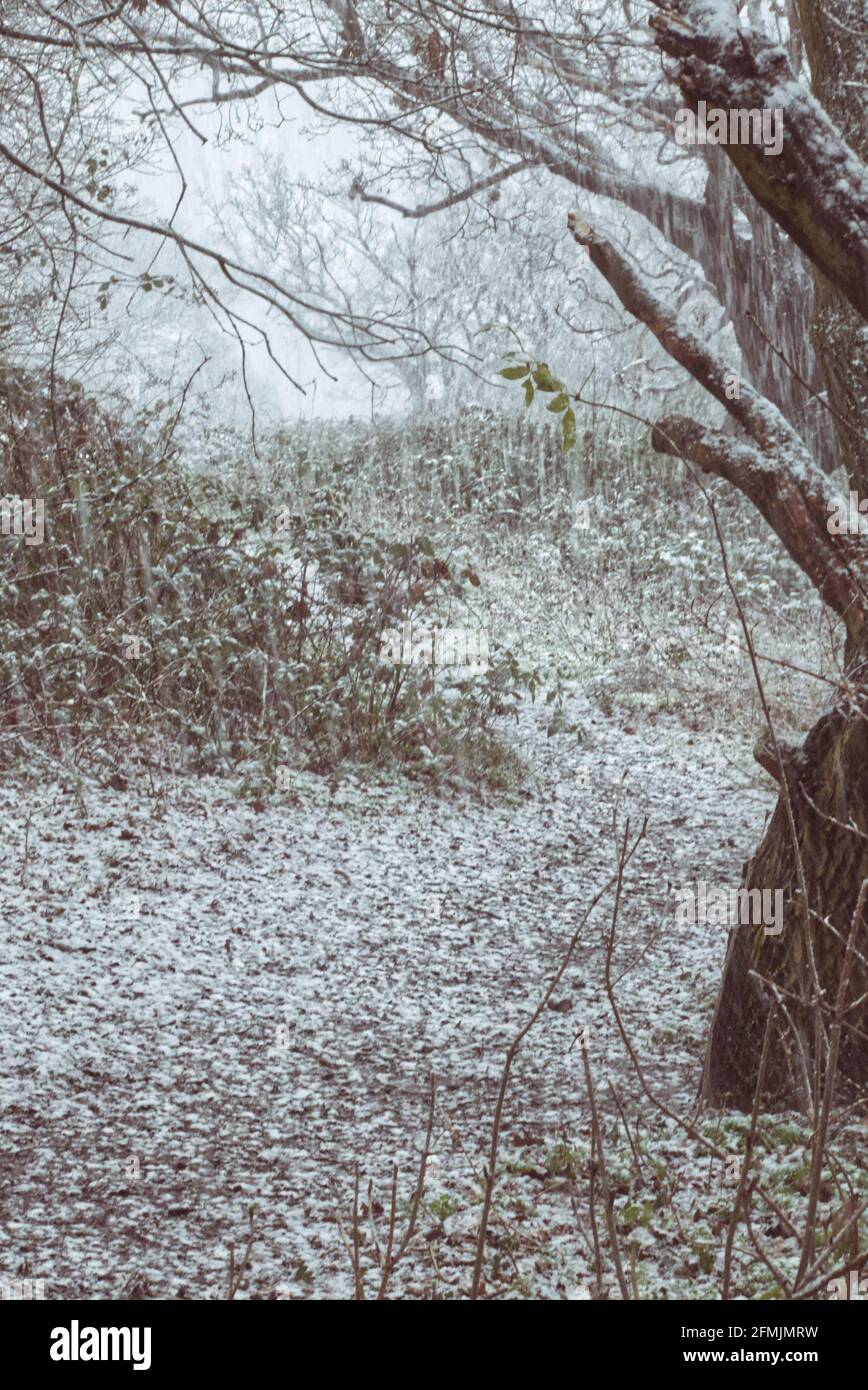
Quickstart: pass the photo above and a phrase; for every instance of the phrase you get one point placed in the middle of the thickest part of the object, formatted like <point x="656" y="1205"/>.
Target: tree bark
<point x="815" y="188"/>
<point x="767" y="288"/>
<point x="829" y="798"/>
<point x="835" y="41"/>
<point x="815" y="851"/>
<point x="826" y="779"/>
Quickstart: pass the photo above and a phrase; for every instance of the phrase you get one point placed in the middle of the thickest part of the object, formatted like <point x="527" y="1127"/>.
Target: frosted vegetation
<point x="335" y="976"/>
<point x="210" y="679"/>
<point x="238" y="615"/>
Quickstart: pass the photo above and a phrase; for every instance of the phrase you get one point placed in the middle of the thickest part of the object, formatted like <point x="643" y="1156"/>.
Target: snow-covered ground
<point x="211" y="1007"/>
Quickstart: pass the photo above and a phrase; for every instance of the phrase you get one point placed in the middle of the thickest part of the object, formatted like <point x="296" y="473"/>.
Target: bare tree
<point x="451" y="98"/>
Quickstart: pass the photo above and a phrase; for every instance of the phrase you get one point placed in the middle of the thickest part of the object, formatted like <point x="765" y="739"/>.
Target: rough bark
<point x="815" y="189"/>
<point x="815" y="850"/>
<point x="825" y="849"/>
<point x="829" y="797"/>
<point x="837" y="48"/>
<point x="767" y="288"/>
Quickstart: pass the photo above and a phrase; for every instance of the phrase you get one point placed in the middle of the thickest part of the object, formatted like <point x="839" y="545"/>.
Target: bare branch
<point x="816" y="188"/>
<point x="425" y="210"/>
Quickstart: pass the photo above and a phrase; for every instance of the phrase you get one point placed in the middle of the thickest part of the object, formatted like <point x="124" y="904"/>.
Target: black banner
<point x="159" y="1340"/>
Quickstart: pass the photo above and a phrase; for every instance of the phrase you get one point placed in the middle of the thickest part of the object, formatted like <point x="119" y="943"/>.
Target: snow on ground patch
<point x="216" y="1009"/>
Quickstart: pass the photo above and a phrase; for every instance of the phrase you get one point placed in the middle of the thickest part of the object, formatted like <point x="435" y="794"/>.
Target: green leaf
<point x="544" y="379"/>
<point x="569" y="423"/>
<point x="528" y="392"/>
<point x="514" y="373"/>
<point x="560" y="402"/>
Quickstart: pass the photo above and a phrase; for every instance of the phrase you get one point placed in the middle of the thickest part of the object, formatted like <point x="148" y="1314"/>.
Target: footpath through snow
<point x="209" y="1007"/>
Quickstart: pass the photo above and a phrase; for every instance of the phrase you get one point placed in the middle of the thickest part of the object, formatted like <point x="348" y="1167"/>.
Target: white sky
<point x="210" y="169"/>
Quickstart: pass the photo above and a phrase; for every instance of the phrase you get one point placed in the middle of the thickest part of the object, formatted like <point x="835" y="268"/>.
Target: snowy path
<point x="272" y="1014"/>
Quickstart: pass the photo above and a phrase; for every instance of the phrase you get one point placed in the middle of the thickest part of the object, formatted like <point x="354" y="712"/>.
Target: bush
<point x="165" y="606"/>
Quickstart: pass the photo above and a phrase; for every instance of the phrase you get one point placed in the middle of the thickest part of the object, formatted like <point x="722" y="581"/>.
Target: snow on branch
<point x="763" y="421"/>
<point x="816" y="187"/>
<point x="461" y="195"/>
<point x="772" y="467"/>
<point x="837" y="565"/>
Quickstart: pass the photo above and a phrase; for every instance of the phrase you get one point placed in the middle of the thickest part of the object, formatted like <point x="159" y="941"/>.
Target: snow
<point x="216" y="1007"/>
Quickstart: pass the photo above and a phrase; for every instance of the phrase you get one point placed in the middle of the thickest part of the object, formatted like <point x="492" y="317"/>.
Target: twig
<point x="491" y="1170"/>
<point x="390" y="1262"/>
<point x="608" y="1195"/>
<point x="821" y="1127"/>
<point x="748" y="1152"/>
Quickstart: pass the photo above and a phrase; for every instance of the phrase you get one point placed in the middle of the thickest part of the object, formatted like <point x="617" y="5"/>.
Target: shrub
<point x="165" y="606"/>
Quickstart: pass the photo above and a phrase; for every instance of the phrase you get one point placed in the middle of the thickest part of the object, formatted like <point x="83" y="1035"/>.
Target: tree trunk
<point x="828" y="777"/>
<point x="835" y="44"/>
<point x="828" y="789"/>
<point x="767" y="288"/>
<point x="814" y="856"/>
